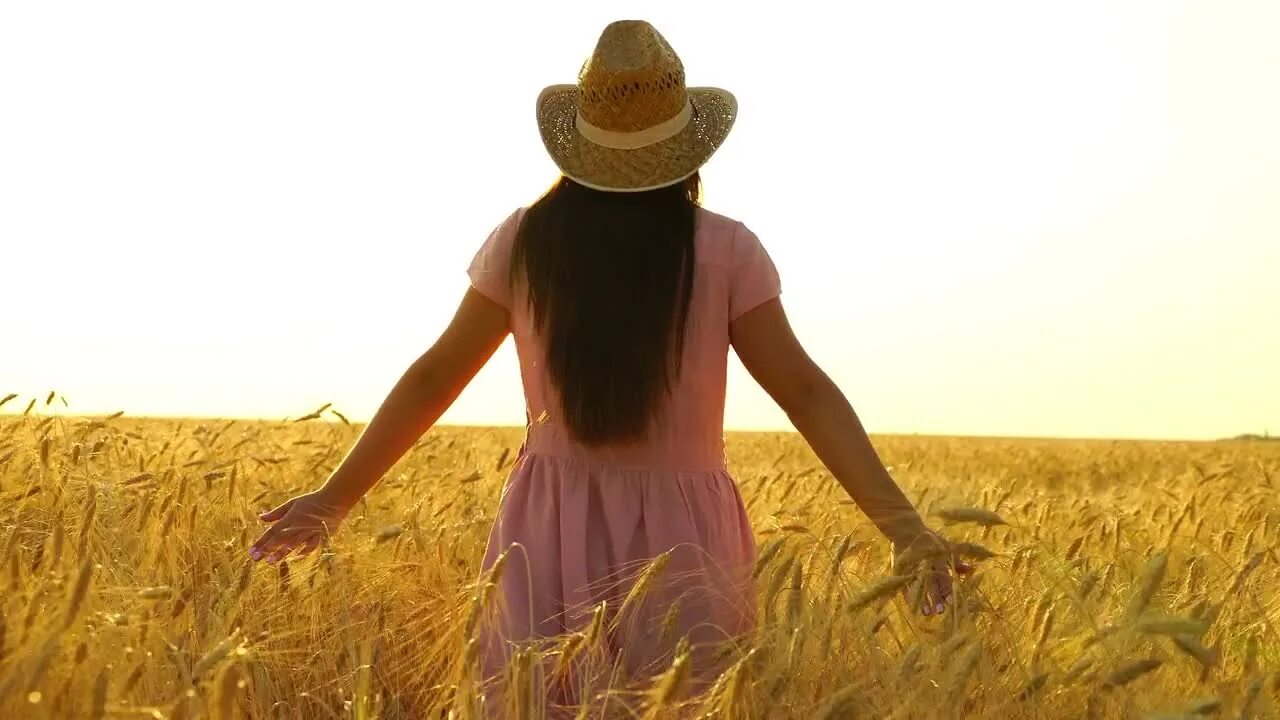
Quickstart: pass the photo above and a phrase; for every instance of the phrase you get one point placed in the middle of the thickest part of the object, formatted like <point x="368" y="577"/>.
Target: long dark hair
<point x="609" y="278"/>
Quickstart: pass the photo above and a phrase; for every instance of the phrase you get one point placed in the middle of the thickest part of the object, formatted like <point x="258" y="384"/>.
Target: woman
<point x="624" y="297"/>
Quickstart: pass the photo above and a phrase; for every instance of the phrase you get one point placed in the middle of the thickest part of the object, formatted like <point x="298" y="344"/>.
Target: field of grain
<point x="1126" y="579"/>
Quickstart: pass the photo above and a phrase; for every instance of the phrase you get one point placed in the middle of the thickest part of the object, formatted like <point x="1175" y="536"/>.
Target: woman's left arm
<point x="422" y="395"/>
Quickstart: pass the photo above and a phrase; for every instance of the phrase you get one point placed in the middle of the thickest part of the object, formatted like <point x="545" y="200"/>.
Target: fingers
<point x="272" y="540"/>
<point x="934" y="602"/>
<point x="913" y="592"/>
<point x="941" y="591"/>
<point x="304" y="545"/>
<point x="938" y="588"/>
<point x="309" y="545"/>
<point x="303" y="539"/>
<point x="298" y="524"/>
<point x="281" y="552"/>
<point x="933" y="595"/>
<point x="265" y="541"/>
<point x="928" y="597"/>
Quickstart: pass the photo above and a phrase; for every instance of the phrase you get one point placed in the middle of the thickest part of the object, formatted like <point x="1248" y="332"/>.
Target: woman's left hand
<point x="300" y="523"/>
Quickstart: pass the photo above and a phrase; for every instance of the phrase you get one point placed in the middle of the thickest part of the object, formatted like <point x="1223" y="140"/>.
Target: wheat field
<point x="1115" y="579"/>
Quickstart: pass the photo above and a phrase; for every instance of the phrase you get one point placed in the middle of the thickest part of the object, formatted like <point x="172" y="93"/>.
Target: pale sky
<point x="1004" y="218"/>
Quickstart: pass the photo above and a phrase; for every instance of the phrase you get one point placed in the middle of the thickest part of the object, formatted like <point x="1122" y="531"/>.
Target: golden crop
<point x="1116" y="579"/>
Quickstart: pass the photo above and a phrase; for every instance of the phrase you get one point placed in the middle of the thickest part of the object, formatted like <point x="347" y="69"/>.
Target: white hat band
<point x="640" y="138"/>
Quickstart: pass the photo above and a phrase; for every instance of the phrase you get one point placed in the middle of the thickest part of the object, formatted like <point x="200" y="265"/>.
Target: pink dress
<point x="580" y="523"/>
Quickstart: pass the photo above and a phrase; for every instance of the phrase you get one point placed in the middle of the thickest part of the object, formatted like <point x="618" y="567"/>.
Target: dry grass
<point x="1116" y="579"/>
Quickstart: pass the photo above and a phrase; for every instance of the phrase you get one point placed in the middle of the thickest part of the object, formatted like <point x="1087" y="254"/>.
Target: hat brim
<point x="648" y="168"/>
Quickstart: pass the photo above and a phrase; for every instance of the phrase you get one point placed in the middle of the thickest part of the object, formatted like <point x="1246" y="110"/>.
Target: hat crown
<point x="633" y="81"/>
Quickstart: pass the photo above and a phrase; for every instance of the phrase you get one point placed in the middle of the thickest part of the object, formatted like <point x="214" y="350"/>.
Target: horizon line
<point x="1241" y="437"/>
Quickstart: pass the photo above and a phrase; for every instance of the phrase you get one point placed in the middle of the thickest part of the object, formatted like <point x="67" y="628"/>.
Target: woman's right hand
<point x="929" y="554"/>
<point x="302" y="522"/>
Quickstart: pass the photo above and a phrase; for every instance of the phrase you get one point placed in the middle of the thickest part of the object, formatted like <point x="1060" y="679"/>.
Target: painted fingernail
<point x="938" y="608"/>
<point x="255" y="554"/>
<point x="927" y="611"/>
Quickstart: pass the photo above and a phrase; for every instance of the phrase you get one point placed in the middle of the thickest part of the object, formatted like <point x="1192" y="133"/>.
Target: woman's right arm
<point x="768" y="348"/>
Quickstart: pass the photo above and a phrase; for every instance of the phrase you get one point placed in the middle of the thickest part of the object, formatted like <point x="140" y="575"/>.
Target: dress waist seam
<point x="600" y="463"/>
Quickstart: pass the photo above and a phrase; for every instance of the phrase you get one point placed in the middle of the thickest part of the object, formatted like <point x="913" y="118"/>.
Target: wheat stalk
<point x="1171" y="625"/>
<point x="880" y="589"/>
<point x="1147" y="585"/>
<point x="977" y="516"/>
<point x="1131" y="671"/>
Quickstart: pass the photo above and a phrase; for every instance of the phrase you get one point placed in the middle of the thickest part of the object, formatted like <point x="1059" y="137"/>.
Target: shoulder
<point x="724" y="240"/>
<point x="502" y="236"/>
<point x="714" y="223"/>
<point x="494" y="253"/>
<point x="512" y="221"/>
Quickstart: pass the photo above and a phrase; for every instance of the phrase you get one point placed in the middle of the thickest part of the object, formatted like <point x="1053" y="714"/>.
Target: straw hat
<point x="630" y="124"/>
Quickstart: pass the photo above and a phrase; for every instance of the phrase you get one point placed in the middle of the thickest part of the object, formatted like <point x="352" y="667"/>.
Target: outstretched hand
<point x="300" y="523"/>
<point x="930" y="555"/>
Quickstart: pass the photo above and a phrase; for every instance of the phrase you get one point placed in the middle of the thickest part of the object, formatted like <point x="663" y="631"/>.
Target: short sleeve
<point x="490" y="268"/>
<point x="755" y="279"/>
